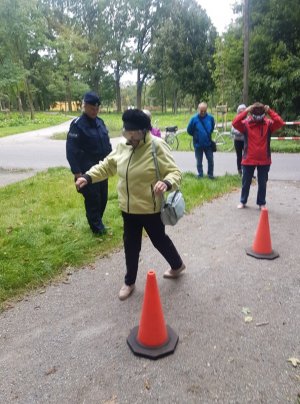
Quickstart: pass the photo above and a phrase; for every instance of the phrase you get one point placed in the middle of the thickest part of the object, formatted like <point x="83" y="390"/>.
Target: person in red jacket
<point x="257" y="131"/>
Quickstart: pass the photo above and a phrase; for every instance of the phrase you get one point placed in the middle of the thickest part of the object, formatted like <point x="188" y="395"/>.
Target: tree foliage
<point x="55" y="50"/>
<point x="274" y="76"/>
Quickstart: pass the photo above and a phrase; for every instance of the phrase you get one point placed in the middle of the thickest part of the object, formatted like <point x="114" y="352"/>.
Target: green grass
<point x="113" y="121"/>
<point x="15" y="123"/>
<point x="44" y="229"/>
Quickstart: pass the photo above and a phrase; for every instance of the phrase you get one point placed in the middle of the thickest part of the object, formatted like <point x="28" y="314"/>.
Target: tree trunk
<point x="69" y="96"/>
<point x="20" y="105"/>
<point x="29" y="96"/>
<point x="162" y="97"/>
<point x="246" y="53"/>
<point x="175" y="102"/>
<point x="118" y="88"/>
<point x="139" y="89"/>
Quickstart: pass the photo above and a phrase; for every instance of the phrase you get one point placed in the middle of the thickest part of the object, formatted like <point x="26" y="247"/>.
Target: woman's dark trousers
<point x="262" y="179"/>
<point x="132" y="237"/>
<point x="239" y="147"/>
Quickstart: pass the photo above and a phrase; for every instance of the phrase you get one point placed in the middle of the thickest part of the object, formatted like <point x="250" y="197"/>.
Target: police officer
<point x="88" y="143"/>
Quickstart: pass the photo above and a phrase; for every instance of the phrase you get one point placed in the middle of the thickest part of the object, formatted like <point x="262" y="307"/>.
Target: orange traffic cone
<point x="262" y="246"/>
<point x="153" y="338"/>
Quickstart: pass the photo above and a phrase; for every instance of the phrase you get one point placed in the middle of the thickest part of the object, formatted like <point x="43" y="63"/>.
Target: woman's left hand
<point x="160" y="187"/>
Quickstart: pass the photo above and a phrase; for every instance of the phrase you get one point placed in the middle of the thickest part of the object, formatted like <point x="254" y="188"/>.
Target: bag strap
<point x="155" y="160"/>
<point x="204" y="127"/>
<point x="157" y="171"/>
<point x="154" y="154"/>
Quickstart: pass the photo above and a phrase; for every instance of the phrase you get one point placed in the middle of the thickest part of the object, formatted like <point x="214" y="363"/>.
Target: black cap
<point x="135" y="119"/>
<point x="92" y="98"/>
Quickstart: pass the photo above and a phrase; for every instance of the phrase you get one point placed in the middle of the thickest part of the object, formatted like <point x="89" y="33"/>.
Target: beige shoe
<point x="174" y="273"/>
<point x="241" y="206"/>
<point x="126" y="291"/>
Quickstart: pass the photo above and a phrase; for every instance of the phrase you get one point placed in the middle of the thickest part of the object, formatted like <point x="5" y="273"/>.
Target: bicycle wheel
<point x="224" y="142"/>
<point x="228" y="142"/>
<point x="172" y="141"/>
<point x="219" y="139"/>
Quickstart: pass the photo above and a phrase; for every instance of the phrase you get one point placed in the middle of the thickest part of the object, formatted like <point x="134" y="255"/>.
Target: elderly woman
<point x="139" y="193"/>
<point x="238" y="141"/>
<point x="257" y="130"/>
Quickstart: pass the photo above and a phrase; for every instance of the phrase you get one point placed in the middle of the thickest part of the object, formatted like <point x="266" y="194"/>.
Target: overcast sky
<point x="219" y="11"/>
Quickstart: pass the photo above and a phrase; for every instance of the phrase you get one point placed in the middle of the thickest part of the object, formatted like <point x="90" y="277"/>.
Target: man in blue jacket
<point x="88" y="143"/>
<point x="201" y="127"/>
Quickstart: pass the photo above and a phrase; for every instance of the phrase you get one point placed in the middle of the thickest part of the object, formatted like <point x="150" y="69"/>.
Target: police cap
<point x="92" y="98"/>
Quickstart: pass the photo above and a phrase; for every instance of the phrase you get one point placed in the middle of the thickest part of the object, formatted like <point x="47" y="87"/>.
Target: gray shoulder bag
<point x="172" y="208"/>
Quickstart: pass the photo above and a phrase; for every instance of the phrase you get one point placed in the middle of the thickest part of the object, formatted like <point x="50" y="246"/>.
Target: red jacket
<point x="257" y="137"/>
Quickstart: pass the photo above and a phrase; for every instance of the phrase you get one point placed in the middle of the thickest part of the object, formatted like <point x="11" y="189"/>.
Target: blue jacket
<point x="87" y="143"/>
<point x="201" y="137"/>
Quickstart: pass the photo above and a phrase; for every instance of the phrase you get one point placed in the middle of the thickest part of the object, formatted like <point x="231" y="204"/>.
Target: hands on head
<point x="257" y="105"/>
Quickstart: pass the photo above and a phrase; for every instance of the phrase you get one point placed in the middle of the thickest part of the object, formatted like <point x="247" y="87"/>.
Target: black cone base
<point x="270" y="256"/>
<point x="155" y="352"/>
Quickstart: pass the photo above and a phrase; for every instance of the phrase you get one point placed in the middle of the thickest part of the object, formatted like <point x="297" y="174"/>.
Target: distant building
<point x="63" y="106"/>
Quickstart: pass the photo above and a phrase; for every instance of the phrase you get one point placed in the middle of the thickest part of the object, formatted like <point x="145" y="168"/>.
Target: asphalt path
<point x="237" y="318"/>
<point x="23" y="155"/>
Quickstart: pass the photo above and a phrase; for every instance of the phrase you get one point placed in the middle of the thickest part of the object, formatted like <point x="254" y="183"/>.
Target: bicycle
<point x="224" y="141"/>
<point x="171" y="137"/>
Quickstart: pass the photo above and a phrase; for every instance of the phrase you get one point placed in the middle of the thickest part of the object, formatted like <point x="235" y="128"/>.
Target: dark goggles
<point x="258" y="117"/>
<point x="133" y="135"/>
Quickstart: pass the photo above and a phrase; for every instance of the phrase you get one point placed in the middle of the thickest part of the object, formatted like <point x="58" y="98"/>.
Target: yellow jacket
<point x="137" y="174"/>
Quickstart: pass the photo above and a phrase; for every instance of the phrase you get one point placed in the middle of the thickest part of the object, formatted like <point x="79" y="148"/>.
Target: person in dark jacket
<point x="87" y="144"/>
<point x="201" y="127"/>
<point x="238" y="142"/>
<point x="257" y="130"/>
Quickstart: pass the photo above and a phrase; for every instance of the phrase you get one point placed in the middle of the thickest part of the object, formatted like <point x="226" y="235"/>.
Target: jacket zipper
<point x="127" y="185"/>
<point x="153" y="197"/>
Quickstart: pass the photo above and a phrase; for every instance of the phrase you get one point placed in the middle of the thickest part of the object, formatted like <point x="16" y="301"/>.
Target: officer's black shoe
<point x="101" y="232"/>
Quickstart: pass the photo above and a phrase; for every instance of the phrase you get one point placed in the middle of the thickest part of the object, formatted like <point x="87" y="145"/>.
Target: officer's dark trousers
<point x="95" y="199"/>
<point x="132" y="237"/>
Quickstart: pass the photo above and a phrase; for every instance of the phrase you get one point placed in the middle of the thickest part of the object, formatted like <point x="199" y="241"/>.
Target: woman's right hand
<point x="80" y="183"/>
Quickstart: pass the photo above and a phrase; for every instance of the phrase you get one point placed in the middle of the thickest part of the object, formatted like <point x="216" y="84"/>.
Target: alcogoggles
<point x="133" y="135"/>
<point x="258" y="117"/>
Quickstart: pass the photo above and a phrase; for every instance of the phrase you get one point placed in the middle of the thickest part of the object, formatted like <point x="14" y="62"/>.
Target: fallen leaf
<point x="294" y="361"/>
<point x="147" y="385"/>
<point x="246" y="310"/>
<point x="112" y="400"/>
<point x="248" y="319"/>
<point x="51" y="371"/>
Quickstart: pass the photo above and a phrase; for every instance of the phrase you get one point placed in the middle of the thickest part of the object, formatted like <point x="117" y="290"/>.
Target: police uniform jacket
<point x="137" y="174"/>
<point x="87" y="143"/>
